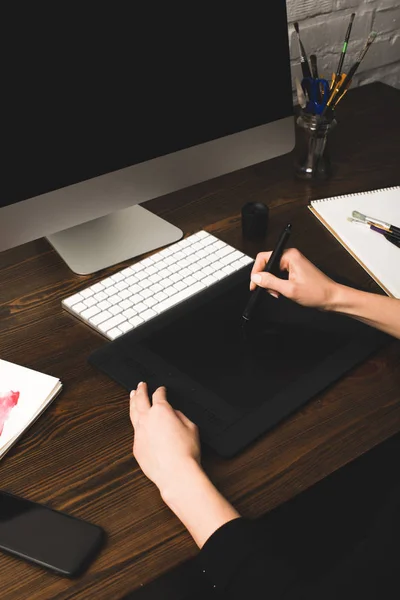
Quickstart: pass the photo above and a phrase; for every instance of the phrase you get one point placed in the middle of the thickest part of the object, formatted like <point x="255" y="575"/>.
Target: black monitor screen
<point x="93" y="100"/>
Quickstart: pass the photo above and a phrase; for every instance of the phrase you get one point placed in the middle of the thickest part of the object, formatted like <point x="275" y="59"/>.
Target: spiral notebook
<point x="24" y="395"/>
<point x="371" y="250"/>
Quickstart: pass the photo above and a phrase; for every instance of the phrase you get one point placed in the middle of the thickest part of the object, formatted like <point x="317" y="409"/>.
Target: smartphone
<point x="47" y="537"/>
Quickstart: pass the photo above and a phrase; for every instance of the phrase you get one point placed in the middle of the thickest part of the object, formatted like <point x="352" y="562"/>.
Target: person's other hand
<point x="166" y="442"/>
<point x="306" y="285"/>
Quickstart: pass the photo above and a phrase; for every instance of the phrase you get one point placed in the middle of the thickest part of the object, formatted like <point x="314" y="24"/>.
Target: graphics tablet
<point x="236" y="383"/>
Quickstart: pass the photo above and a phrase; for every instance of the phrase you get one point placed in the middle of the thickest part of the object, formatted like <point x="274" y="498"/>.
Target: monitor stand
<point x="109" y="240"/>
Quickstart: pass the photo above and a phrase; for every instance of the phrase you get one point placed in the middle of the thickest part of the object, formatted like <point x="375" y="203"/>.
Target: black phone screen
<point x="47" y="537"/>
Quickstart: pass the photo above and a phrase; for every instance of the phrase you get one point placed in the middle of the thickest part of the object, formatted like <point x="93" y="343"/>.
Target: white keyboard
<point x="151" y="286"/>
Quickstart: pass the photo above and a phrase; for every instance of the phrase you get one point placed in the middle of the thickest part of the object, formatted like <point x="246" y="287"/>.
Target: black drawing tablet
<point x="236" y="384"/>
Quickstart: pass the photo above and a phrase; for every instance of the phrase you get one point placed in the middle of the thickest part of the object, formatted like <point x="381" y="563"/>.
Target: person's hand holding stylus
<point x="270" y="266"/>
<point x="306" y="285"/>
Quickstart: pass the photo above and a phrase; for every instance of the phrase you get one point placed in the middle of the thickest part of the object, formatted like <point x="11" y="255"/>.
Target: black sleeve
<point x="237" y="560"/>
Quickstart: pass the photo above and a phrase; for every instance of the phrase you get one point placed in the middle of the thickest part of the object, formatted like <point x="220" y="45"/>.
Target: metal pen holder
<point x="312" y="152"/>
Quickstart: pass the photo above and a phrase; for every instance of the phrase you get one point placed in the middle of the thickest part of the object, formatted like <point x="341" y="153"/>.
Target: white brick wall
<point x="323" y="24"/>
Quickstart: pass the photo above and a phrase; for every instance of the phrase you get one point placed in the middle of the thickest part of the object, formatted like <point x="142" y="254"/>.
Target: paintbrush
<point x="393" y="238"/>
<point x="345" y="44"/>
<point x="377" y="222"/>
<point x="342" y="88"/>
<point x="305" y="67"/>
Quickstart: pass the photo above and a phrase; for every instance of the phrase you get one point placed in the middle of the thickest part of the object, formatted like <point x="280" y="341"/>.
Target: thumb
<point x="185" y="420"/>
<point x="271" y="282"/>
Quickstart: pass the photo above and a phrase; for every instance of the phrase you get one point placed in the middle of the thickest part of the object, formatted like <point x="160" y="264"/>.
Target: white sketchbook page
<point x="378" y="255"/>
<point x="12" y="441"/>
<point x="23" y="393"/>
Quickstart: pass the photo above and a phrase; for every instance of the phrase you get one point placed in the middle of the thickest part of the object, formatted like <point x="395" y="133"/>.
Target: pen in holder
<point x="312" y="152"/>
<point x="318" y="99"/>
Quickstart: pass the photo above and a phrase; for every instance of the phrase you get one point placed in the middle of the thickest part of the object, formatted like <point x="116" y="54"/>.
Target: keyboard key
<point x="129" y="313"/>
<point x="127" y="272"/>
<point x="86" y="293"/>
<point x="124" y="327"/>
<point x="148" y="314"/>
<point x="180" y="285"/>
<point x="201" y="234"/>
<point x="91" y="301"/>
<point x="116" y="299"/>
<point x="160" y="296"/>
<point x="111" y="290"/>
<point x="114" y="333"/>
<point x="100" y="296"/>
<point x="79" y="307"/>
<point x="150" y="301"/>
<point x="90" y="312"/>
<point x="125" y="304"/>
<point x="73" y="300"/>
<point x="124" y="294"/>
<point x="190" y="281"/>
<point x="104" y="284"/>
<point x="98" y="287"/>
<point x="104" y="305"/>
<point x="131" y="280"/>
<point x="209" y="280"/>
<point x="147" y="261"/>
<point x="103" y="316"/>
<point x="111" y="323"/>
<point x="136" y="321"/>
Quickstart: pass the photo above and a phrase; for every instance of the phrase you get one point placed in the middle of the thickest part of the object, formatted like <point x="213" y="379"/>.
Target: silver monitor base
<point x="109" y="240"/>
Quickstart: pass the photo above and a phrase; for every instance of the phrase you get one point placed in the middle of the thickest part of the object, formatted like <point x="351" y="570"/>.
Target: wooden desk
<point x="77" y="457"/>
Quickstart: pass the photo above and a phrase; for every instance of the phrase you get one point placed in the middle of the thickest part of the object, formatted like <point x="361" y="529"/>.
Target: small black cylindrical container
<point x="254" y="220"/>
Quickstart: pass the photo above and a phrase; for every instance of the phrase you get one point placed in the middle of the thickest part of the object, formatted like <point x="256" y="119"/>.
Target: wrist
<point x="345" y="300"/>
<point x="336" y="298"/>
<point x="189" y="473"/>
<point x="197" y="503"/>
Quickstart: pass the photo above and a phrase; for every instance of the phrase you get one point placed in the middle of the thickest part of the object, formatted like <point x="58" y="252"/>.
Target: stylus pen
<point x="274" y="261"/>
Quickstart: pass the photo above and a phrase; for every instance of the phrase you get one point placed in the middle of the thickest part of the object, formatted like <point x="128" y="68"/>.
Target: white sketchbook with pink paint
<point x="24" y="395"/>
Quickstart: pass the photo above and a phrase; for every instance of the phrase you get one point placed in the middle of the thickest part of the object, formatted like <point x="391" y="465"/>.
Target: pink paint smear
<point x="7" y="403"/>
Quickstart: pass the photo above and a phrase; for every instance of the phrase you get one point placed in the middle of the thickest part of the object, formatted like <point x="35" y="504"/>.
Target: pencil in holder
<point x="312" y="147"/>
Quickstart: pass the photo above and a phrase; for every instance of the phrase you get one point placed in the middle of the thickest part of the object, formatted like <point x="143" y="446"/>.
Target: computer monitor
<point x="96" y="128"/>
